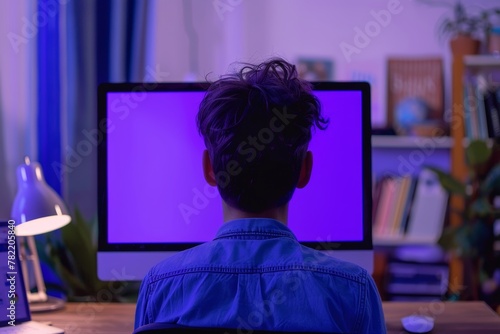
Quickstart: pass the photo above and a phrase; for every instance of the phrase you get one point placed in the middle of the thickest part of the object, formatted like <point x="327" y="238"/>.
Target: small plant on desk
<point x="476" y="241"/>
<point x="73" y="256"/>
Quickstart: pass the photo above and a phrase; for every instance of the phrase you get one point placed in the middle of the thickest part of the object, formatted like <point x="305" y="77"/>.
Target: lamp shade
<point x="37" y="207"/>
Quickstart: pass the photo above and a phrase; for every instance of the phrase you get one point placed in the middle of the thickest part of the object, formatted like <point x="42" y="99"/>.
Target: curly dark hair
<point x="257" y="124"/>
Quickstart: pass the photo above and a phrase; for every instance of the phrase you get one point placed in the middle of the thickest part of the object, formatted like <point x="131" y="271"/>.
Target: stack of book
<point x="417" y="280"/>
<point x="391" y="205"/>
<point x="481" y="108"/>
<point x="408" y="207"/>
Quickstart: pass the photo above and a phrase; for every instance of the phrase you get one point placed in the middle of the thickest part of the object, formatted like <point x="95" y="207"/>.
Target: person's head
<point x="257" y="124"/>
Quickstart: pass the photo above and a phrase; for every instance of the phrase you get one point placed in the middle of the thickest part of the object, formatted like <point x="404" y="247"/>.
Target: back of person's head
<point x="257" y="124"/>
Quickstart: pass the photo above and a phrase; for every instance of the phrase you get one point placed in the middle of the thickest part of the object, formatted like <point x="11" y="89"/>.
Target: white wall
<point x="252" y="30"/>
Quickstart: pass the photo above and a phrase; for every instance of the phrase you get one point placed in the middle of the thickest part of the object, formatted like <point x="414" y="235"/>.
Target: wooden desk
<point x="456" y="318"/>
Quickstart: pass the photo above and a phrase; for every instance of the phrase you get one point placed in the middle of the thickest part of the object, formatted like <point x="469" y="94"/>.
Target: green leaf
<point x="492" y="182"/>
<point x="76" y="236"/>
<point x="75" y="260"/>
<point x="481" y="236"/>
<point x="448" y="182"/>
<point x="458" y="239"/>
<point x="477" y="153"/>
<point x="76" y="286"/>
<point x="481" y="207"/>
<point x="447" y="241"/>
<point x="463" y="241"/>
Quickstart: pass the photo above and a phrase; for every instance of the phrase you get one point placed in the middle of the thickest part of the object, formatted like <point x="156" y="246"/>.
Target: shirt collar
<point x="262" y="227"/>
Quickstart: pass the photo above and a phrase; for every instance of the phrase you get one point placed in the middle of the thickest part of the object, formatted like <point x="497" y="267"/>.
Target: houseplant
<point x="466" y="30"/>
<point x="72" y="255"/>
<point x="474" y="240"/>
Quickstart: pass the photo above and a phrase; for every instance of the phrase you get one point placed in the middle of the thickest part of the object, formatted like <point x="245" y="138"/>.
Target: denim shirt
<point x="256" y="275"/>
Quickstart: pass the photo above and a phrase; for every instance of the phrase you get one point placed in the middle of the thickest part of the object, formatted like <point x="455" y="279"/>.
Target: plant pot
<point x="464" y="45"/>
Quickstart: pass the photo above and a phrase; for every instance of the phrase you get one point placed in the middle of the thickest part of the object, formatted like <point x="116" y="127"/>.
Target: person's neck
<point x="280" y="213"/>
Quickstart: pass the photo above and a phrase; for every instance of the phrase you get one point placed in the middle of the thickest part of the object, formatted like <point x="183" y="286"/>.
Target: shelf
<point x="482" y="61"/>
<point x="401" y="241"/>
<point x="411" y="142"/>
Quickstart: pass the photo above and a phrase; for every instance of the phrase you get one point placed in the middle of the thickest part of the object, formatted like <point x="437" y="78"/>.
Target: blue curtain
<point x="49" y="120"/>
<point x="105" y="41"/>
<point x="85" y="43"/>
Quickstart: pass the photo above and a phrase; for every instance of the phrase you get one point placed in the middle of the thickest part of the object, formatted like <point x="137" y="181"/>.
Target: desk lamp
<point x="37" y="209"/>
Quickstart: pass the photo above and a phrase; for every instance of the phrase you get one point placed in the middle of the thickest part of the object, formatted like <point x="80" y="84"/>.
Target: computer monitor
<point x="154" y="200"/>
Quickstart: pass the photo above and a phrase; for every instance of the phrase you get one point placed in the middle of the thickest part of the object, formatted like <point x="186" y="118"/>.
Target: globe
<point x="409" y="112"/>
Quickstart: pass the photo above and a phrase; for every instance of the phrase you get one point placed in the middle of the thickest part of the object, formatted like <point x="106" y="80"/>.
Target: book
<point x="467" y="114"/>
<point x="381" y="207"/>
<point x="481" y="116"/>
<point x="481" y="88"/>
<point x="400" y="206"/>
<point x="429" y="208"/>
<point x="392" y="218"/>
<point x="492" y="108"/>
<point x="385" y="207"/>
<point x="472" y="105"/>
<point x="417" y="278"/>
<point x="377" y="193"/>
<point x="420" y="77"/>
<point x="408" y="205"/>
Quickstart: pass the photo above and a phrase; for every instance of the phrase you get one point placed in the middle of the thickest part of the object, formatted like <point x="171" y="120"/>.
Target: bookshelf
<point x="462" y="66"/>
<point x="448" y="153"/>
<point x="481" y="61"/>
<point x="410" y="142"/>
<point x="391" y="241"/>
<point x="403" y="156"/>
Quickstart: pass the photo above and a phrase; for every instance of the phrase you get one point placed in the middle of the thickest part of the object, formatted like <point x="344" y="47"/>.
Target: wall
<point x="199" y="37"/>
<point x="243" y="30"/>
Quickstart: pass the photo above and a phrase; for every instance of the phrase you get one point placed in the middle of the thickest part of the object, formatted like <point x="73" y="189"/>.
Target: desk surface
<point x="456" y="318"/>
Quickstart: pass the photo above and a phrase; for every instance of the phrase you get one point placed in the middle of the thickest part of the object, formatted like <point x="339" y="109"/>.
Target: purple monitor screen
<point x="156" y="192"/>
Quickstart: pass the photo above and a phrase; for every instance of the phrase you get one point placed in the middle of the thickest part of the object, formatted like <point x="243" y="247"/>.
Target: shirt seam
<point x="149" y="292"/>
<point x="362" y="306"/>
<point x="232" y="234"/>
<point x="258" y="270"/>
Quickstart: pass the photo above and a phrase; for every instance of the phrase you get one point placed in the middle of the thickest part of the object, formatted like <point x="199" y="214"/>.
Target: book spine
<point x="492" y="108"/>
<point x="467" y="114"/>
<point x="391" y="218"/>
<point x="489" y="109"/>
<point x="394" y="218"/>
<point x="400" y="206"/>
<point x="474" y="118"/>
<point x="481" y="114"/>
<point x="377" y="194"/>
<point x="382" y="208"/>
<point x="408" y="205"/>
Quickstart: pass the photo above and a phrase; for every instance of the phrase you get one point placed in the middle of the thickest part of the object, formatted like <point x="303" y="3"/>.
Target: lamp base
<point x="51" y="304"/>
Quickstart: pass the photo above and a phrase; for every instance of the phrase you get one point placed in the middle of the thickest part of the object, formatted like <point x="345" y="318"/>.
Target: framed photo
<point x="420" y="78"/>
<point x="315" y="69"/>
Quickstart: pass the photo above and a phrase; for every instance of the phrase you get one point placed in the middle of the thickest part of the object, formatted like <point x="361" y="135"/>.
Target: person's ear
<point x="305" y="170"/>
<point x="208" y="171"/>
